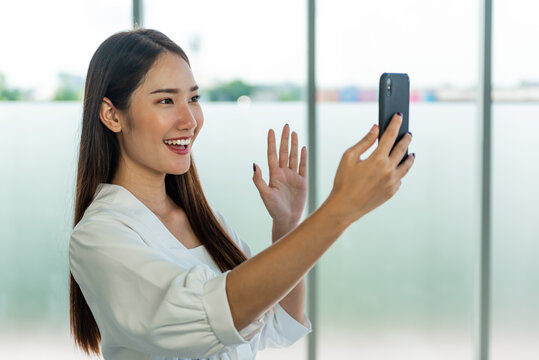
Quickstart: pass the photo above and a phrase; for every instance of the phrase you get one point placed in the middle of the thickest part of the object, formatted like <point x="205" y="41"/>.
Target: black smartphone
<point x="394" y="97"/>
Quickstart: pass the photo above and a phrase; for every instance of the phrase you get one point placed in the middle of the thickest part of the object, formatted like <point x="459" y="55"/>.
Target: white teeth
<point x="178" y="142"/>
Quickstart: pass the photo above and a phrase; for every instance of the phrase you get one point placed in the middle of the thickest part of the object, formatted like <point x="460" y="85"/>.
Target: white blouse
<point x="153" y="298"/>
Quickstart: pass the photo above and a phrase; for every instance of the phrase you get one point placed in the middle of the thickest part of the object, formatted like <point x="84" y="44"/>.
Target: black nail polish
<point x="400" y="114"/>
<point x="254" y="167"/>
<point x="413" y="154"/>
<point x="410" y="133"/>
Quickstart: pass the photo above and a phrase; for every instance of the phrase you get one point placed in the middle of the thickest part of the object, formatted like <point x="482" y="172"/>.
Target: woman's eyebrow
<point x="173" y="90"/>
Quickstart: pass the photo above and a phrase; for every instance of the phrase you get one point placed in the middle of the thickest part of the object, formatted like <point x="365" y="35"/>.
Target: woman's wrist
<point x="281" y="228"/>
<point x="333" y="211"/>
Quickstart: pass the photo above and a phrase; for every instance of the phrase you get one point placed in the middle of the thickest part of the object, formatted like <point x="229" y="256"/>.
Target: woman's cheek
<point x="200" y="122"/>
<point x="200" y="119"/>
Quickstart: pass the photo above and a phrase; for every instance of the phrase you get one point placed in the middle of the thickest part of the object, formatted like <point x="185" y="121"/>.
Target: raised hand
<point x="286" y="193"/>
<point x="362" y="185"/>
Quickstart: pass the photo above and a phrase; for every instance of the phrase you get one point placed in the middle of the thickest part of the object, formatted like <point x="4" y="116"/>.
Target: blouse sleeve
<point x="145" y="301"/>
<point x="276" y="327"/>
<point x="281" y="329"/>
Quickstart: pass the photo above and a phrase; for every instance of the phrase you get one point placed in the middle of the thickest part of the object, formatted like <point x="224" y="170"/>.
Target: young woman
<point x="156" y="272"/>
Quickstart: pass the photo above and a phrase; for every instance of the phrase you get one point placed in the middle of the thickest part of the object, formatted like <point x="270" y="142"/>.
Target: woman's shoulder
<point x="112" y="210"/>
<point x="112" y="202"/>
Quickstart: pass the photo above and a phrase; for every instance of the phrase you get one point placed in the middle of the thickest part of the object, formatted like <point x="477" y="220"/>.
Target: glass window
<point x="400" y="281"/>
<point x="515" y="230"/>
<point x="50" y="38"/>
<point x="49" y="42"/>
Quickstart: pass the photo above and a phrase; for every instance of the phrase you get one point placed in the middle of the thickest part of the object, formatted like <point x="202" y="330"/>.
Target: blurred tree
<point x="70" y="88"/>
<point x="230" y="91"/>
<point x="289" y="93"/>
<point x="10" y="94"/>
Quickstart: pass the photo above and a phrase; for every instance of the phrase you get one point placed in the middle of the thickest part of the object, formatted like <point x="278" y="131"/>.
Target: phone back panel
<point x="394" y="97"/>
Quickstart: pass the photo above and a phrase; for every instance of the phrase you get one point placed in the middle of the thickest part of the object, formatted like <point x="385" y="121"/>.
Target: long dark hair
<point x="117" y="68"/>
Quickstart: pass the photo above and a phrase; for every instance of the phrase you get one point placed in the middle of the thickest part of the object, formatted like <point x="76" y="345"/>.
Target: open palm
<point x="286" y="193"/>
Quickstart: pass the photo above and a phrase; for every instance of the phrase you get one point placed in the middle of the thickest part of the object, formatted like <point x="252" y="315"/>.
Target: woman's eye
<point x="195" y="98"/>
<point x="166" y="101"/>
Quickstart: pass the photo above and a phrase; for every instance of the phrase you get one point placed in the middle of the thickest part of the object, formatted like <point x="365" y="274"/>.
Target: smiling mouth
<point x="178" y="146"/>
<point x="178" y="142"/>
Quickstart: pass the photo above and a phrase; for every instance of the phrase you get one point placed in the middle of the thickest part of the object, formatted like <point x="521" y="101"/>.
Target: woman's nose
<point x="186" y="118"/>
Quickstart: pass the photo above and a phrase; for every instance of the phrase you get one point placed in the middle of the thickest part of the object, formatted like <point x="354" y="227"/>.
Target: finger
<point x="272" y="151"/>
<point x="283" y="149"/>
<point x="390" y="134"/>
<point x="399" y="150"/>
<point x="303" y="162"/>
<point x="403" y="168"/>
<point x="293" y="162"/>
<point x="258" y="179"/>
<point x="365" y="143"/>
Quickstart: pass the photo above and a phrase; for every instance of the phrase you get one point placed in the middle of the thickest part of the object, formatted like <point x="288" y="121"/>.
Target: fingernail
<point x="254" y="167"/>
<point x="413" y="154"/>
<point x="400" y="114"/>
<point x="373" y="129"/>
<point x="410" y="133"/>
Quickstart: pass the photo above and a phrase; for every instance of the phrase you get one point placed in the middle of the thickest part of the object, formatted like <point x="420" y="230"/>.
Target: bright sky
<point x="435" y="41"/>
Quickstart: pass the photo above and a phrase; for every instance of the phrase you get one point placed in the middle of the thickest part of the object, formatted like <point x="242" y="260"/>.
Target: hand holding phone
<point x="394" y="97"/>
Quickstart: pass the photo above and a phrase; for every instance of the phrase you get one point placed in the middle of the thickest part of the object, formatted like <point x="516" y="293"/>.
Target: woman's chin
<point x="178" y="170"/>
<point x="179" y="167"/>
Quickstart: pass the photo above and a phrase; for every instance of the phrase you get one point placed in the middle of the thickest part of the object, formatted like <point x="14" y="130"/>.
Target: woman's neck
<point x="148" y="188"/>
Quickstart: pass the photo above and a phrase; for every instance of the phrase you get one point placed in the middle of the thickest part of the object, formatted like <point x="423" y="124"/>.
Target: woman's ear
<point x="109" y="116"/>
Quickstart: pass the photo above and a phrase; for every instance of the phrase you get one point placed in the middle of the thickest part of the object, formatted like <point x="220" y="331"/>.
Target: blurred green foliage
<point x="11" y="94"/>
<point x="290" y="93"/>
<point x="232" y="90"/>
<point x="69" y="89"/>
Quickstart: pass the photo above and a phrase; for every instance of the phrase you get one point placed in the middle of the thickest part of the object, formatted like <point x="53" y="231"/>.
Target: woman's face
<point x="163" y="111"/>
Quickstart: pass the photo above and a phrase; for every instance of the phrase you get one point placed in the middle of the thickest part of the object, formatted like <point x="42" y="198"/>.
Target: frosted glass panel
<point x="515" y="229"/>
<point x="399" y="282"/>
<point x="36" y="215"/>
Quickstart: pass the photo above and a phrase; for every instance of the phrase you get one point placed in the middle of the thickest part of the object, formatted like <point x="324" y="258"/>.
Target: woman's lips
<point x="179" y="149"/>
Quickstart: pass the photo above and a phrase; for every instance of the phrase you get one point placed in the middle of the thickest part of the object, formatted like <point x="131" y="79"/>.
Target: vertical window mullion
<point x="485" y="117"/>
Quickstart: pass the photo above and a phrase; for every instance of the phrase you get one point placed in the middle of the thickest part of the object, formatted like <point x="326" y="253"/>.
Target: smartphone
<point x="394" y="97"/>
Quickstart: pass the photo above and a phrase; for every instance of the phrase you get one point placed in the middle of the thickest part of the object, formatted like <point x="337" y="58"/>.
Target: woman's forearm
<point x="262" y="281"/>
<point x="294" y="302"/>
